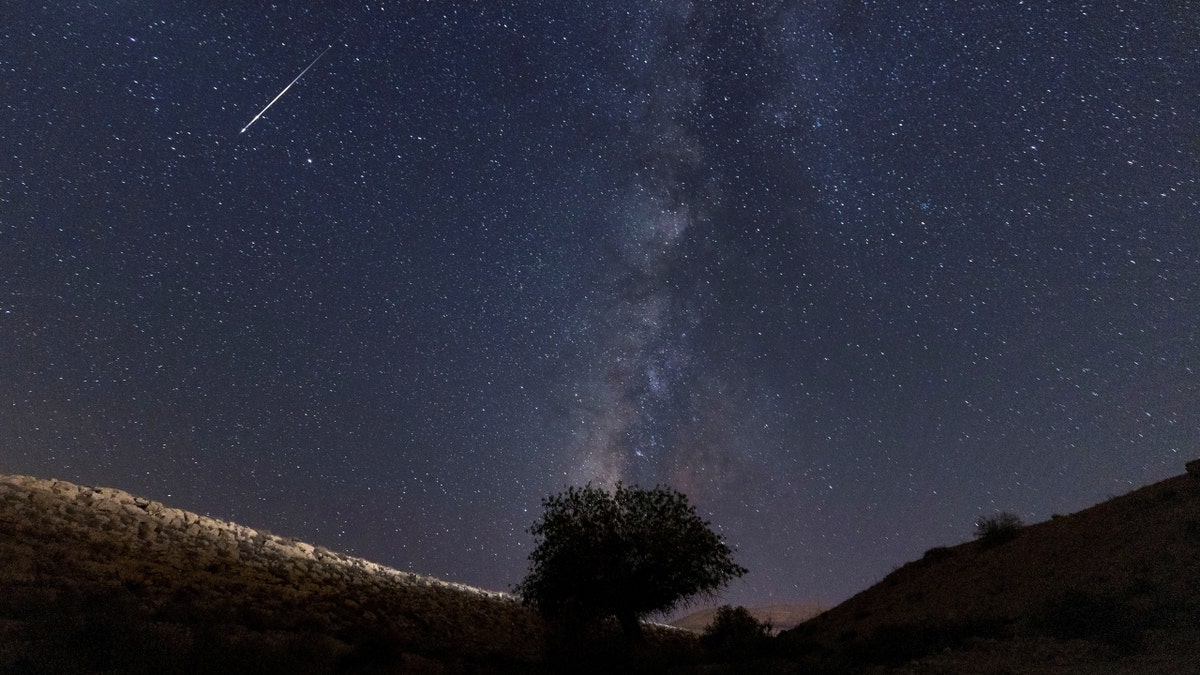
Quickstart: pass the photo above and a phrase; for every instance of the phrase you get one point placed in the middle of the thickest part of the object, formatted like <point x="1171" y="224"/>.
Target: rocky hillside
<point x="96" y="579"/>
<point x="1112" y="588"/>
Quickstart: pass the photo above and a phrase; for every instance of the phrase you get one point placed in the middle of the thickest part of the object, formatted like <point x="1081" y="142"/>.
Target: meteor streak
<point x="278" y="96"/>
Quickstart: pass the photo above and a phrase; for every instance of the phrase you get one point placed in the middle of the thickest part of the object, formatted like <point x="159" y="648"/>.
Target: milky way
<point x="849" y="274"/>
<point x="642" y="368"/>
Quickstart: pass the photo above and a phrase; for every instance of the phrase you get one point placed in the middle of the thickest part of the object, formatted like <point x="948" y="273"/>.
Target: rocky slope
<point x="93" y="579"/>
<point x="1112" y="588"/>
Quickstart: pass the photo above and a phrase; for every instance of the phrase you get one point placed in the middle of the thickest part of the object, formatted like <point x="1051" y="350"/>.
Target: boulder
<point x="13" y="483"/>
<point x="106" y="505"/>
<point x="1193" y="468"/>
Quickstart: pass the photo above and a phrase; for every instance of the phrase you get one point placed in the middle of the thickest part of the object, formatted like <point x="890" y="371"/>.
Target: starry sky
<point x="849" y="274"/>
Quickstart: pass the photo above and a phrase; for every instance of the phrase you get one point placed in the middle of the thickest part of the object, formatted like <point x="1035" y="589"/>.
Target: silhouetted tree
<point x="626" y="553"/>
<point x="735" y="635"/>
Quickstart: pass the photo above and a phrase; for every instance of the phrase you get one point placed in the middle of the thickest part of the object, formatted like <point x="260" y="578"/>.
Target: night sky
<point x="849" y="274"/>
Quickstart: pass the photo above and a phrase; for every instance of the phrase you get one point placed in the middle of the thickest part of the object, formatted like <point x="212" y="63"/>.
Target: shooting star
<point x="280" y="95"/>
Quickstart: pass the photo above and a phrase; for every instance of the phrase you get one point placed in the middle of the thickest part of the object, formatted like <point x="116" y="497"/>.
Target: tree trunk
<point x="631" y="626"/>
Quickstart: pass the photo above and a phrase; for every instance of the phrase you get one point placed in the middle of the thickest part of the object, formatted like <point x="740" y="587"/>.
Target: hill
<point x="95" y="578"/>
<point x="1112" y="588"/>
<point x="98" y="580"/>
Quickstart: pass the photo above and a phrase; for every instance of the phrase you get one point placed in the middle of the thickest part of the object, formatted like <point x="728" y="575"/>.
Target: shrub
<point x="938" y="552"/>
<point x="998" y="528"/>
<point x="735" y="635"/>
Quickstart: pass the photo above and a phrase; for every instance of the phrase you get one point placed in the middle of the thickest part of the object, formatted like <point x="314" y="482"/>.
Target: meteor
<point x="280" y="95"/>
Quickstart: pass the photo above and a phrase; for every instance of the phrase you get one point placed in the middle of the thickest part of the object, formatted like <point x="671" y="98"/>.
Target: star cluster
<point x="848" y="275"/>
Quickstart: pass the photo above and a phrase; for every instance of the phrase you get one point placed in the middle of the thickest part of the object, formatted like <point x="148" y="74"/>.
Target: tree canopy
<point x="626" y="553"/>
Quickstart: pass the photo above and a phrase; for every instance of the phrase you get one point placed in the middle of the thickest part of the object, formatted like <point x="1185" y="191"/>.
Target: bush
<point x="998" y="528"/>
<point x="937" y="553"/>
<point x="735" y="635"/>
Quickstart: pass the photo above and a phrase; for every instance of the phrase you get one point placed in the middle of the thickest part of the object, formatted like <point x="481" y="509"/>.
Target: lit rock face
<point x="152" y="526"/>
<point x="184" y="578"/>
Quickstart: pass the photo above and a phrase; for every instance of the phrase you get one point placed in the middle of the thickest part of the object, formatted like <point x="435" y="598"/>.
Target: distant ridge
<point x="1114" y="588"/>
<point x="782" y="616"/>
